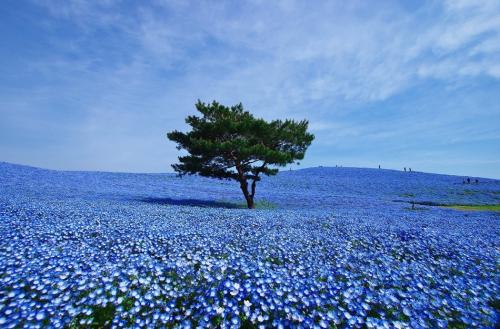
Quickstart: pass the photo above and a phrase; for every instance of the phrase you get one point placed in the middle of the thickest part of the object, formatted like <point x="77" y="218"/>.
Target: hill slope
<point x="82" y="249"/>
<point x="305" y="188"/>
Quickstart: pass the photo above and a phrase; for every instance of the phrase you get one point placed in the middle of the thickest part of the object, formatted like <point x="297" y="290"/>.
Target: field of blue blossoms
<point x="329" y="248"/>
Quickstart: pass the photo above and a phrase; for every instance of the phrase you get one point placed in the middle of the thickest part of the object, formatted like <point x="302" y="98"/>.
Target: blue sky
<point x="97" y="85"/>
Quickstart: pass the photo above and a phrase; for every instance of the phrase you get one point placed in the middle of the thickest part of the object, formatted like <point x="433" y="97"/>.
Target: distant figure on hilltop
<point x="477" y="181"/>
<point x="405" y="169"/>
<point x="409" y="169"/>
<point x="468" y="180"/>
<point x="378" y="166"/>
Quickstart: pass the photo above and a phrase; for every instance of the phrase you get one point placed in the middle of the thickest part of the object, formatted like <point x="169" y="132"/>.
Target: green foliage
<point x="230" y="143"/>
<point x="261" y="204"/>
<point x="494" y="303"/>
<point x="492" y="207"/>
<point x="101" y="317"/>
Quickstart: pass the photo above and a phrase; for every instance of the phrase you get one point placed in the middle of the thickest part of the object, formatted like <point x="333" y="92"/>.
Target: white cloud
<point x="294" y="52"/>
<point x="148" y="64"/>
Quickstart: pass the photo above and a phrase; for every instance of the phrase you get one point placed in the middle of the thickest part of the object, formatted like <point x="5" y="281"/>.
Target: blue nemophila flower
<point x="73" y="257"/>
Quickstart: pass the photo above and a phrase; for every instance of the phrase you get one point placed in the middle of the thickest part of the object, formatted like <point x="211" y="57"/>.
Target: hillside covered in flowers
<point x="326" y="248"/>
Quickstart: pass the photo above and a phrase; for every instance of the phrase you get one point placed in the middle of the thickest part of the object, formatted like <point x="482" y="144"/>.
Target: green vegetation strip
<point x="493" y="207"/>
<point x="261" y="204"/>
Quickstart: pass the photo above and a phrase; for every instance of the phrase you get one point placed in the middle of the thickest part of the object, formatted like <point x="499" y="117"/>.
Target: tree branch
<point x="241" y="164"/>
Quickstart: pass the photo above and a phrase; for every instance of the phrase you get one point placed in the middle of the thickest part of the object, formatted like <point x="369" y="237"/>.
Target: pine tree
<point x="230" y="143"/>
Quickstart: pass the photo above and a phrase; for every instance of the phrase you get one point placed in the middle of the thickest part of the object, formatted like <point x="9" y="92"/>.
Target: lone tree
<point x="230" y="143"/>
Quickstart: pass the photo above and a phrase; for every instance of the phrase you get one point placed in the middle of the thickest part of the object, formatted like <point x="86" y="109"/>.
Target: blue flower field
<point x="326" y="248"/>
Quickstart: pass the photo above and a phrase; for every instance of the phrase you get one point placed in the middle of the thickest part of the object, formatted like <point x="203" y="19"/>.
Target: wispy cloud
<point x="124" y="74"/>
<point x="300" y="52"/>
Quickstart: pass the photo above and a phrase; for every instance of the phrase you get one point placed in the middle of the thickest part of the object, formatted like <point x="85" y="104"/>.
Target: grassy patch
<point x="260" y="204"/>
<point x="274" y="260"/>
<point x="407" y="195"/>
<point x="103" y="315"/>
<point x="415" y="208"/>
<point x="265" y="205"/>
<point x="322" y="279"/>
<point x="246" y="323"/>
<point x="463" y="207"/>
<point x="495" y="303"/>
<point x="493" y="207"/>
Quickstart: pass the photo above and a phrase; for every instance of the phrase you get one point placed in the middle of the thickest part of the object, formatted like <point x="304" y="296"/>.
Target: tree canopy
<point x="230" y="143"/>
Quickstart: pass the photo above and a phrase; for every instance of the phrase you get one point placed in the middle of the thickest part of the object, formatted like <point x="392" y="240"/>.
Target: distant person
<point x="468" y="180"/>
<point x="405" y="169"/>
<point x="409" y="169"/>
<point x="378" y="166"/>
<point x="477" y="181"/>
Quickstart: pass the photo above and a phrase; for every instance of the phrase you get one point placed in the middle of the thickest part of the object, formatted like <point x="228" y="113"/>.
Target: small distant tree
<point x="230" y="143"/>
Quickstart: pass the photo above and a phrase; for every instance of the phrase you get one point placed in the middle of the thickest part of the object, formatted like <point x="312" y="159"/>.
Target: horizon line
<point x="280" y="170"/>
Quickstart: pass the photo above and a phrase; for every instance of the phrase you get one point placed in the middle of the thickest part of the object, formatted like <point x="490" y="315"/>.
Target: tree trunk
<point x="250" y="203"/>
<point x="248" y="196"/>
<point x="244" y="185"/>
